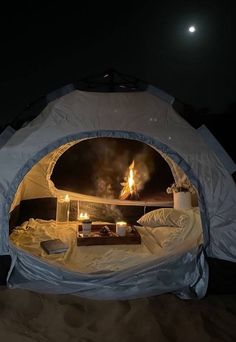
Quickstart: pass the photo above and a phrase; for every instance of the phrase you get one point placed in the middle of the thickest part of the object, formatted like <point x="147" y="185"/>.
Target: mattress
<point x="156" y="244"/>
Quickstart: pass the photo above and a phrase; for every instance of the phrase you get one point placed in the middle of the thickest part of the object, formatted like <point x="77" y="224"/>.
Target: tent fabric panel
<point x="4" y="227"/>
<point x="223" y="239"/>
<point x="118" y="111"/>
<point x="60" y="92"/>
<point x="209" y="138"/>
<point x="34" y="185"/>
<point x="184" y="274"/>
<point x="6" y="135"/>
<point x="71" y="115"/>
<point x="161" y="94"/>
<point x="37" y="183"/>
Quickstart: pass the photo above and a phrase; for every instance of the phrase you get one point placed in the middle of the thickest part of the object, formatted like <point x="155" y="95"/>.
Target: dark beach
<point x="28" y="316"/>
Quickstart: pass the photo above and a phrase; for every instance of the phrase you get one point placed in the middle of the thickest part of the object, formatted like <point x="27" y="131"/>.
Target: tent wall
<point x="209" y="138"/>
<point x="6" y="135"/>
<point x="37" y="183"/>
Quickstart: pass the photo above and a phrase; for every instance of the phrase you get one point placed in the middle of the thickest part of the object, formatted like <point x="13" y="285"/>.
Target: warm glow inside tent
<point x="29" y="158"/>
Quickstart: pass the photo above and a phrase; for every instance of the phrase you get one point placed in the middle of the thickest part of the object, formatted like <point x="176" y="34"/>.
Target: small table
<point x="95" y="238"/>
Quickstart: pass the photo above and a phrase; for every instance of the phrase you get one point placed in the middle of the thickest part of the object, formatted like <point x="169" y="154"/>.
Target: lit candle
<point x="67" y="198"/>
<point x="83" y="216"/>
<point x="121" y="227"/>
<point x="63" y="209"/>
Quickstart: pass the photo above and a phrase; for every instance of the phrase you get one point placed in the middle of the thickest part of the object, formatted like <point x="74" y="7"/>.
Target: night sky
<point x="45" y="46"/>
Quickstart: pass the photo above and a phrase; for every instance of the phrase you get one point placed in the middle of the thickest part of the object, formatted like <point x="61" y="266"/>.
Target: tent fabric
<point x="161" y="94"/>
<point x="183" y="274"/>
<point x="6" y="135"/>
<point x="209" y="138"/>
<point x="139" y="116"/>
<point x="60" y="92"/>
<point x="37" y="182"/>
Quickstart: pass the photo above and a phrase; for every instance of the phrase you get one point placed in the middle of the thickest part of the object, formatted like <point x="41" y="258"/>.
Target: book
<point x="53" y="246"/>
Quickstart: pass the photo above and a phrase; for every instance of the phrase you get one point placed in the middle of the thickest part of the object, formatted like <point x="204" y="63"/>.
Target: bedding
<point x="171" y="228"/>
<point x="167" y="217"/>
<point x="157" y="244"/>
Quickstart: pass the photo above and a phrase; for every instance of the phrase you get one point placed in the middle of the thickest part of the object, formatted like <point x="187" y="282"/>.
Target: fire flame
<point x="129" y="187"/>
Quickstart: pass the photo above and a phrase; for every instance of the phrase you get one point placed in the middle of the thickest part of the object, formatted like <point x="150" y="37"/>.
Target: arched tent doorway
<point x="45" y="187"/>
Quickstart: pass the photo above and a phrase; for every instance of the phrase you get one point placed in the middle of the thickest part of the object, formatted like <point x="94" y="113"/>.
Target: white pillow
<point x="165" y="217"/>
<point x="168" y="236"/>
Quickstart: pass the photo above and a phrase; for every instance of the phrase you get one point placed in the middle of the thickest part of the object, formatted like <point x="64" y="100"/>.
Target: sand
<point x="31" y="317"/>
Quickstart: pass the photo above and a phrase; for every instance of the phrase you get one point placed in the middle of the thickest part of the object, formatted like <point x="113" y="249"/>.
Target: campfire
<point x="129" y="184"/>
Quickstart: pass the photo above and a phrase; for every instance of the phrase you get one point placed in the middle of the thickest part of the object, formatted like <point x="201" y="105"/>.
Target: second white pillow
<point x="165" y="217"/>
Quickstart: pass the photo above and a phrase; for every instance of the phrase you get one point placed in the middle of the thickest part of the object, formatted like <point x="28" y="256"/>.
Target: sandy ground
<point x="28" y="317"/>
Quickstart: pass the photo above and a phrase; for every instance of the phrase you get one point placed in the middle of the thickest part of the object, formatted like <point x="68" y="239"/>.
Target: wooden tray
<point x="131" y="238"/>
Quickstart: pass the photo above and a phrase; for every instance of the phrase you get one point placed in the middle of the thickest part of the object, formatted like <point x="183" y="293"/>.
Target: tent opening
<point x="101" y="167"/>
<point x="97" y="175"/>
<point x="113" y="169"/>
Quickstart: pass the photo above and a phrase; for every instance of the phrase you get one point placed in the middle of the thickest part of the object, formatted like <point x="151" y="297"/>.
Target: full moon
<point x="192" y="29"/>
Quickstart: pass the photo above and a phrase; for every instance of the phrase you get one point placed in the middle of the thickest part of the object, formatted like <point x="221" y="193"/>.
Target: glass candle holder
<point x="86" y="227"/>
<point x="121" y="228"/>
<point x="63" y="209"/>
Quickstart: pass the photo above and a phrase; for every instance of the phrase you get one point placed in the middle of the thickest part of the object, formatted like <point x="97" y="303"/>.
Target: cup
<point x="121" y="228"/>
<point x="86" y="227"/>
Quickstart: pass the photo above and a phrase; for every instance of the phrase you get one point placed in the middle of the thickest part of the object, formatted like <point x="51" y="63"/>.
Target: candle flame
<point x="67" y="198"/>
<point x="83" y="216"/>
<point x="121" y="223"/>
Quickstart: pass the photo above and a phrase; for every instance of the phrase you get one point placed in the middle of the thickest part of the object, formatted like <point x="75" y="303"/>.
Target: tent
<point x="27" y="160"/>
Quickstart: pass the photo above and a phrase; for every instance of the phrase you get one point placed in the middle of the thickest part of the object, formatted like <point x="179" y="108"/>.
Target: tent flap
<point x="184" y="274"/>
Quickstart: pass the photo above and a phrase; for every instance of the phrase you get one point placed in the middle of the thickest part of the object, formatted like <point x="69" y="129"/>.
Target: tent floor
<point x="222" y="275"/>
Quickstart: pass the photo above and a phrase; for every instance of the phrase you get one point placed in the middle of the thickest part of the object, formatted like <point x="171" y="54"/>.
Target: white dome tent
<point x="27" y="161"/>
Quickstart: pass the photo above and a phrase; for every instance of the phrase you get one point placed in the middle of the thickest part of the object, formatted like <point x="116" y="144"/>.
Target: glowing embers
<point x="130" y="184"/>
